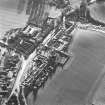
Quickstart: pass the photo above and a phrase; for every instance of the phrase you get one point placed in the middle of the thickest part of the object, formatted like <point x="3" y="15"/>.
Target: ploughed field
<point x="10" y="19"/>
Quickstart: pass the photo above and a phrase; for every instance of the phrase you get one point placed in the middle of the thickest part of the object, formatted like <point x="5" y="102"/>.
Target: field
<point x="76" y="84"/>
<point x="80" y="82"/>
